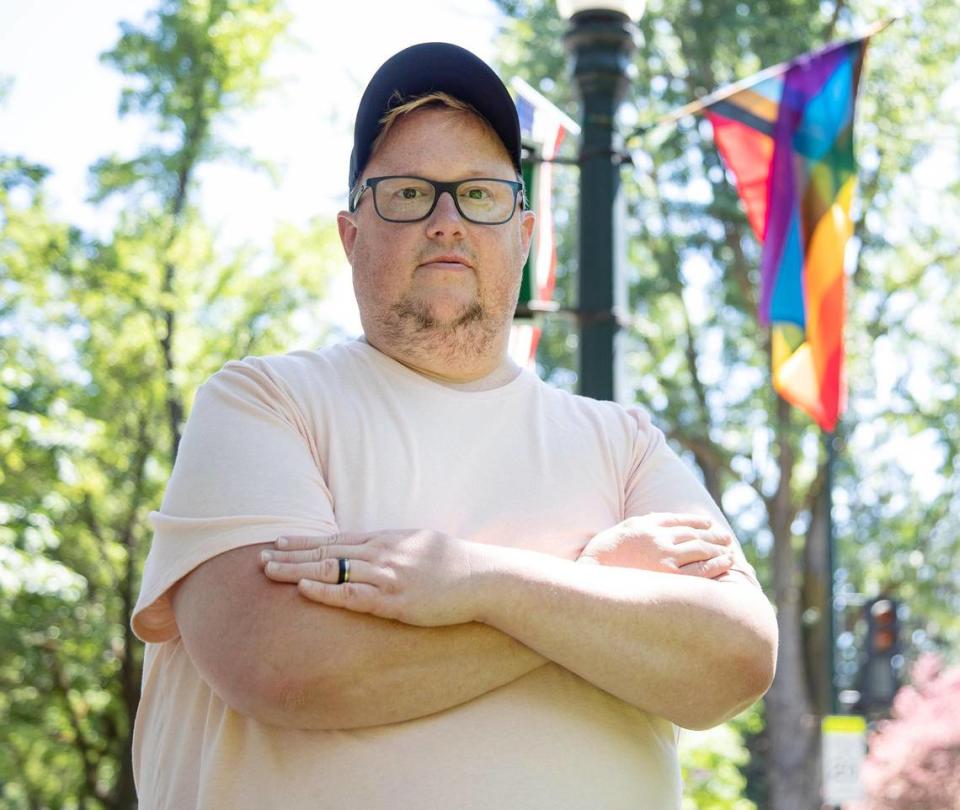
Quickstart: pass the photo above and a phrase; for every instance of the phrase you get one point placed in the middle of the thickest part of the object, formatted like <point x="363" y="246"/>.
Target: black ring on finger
<point x="343" y="572"/>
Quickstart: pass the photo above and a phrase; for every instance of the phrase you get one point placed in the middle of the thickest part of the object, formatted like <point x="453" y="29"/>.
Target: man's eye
<point x="476" y="193"/>
<point x="409" y="193"/>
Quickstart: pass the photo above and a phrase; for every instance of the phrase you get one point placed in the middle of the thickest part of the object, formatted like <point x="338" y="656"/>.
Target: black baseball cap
<point x="426" y="68"/>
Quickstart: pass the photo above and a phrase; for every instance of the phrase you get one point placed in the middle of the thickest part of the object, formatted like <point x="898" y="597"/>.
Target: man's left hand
<point x="419" y="577"/>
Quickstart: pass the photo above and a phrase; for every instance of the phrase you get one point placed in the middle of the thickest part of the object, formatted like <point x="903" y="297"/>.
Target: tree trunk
<point x="792" y="726"/>
<point x="124" y="796"/>
<point x="817" y="631"/>
<point x="794" y="735"/>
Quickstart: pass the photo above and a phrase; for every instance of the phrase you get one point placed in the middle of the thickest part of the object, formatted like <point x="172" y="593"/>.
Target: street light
<point x="600" y="40"/>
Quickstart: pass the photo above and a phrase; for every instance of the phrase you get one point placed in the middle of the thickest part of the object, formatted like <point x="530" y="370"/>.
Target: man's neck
<point x="478" y="374"/>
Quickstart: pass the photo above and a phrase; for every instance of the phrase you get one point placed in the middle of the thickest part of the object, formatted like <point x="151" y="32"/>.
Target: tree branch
<point x="831" y="28"/>
<point x="130" y="671"/>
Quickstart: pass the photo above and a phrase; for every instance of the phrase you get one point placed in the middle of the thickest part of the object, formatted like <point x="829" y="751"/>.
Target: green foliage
<point x="901" y="481"/>
<point x="85" y="453"/>
<point x="194" y="64"/>
<point x="102" y="345"/>
<point x="711" y="778"/>
<point x="712" y="764"/>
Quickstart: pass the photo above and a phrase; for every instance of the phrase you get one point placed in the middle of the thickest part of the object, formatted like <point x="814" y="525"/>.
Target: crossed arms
<point x="429" y="622"/>
<point x="277" y="657"/>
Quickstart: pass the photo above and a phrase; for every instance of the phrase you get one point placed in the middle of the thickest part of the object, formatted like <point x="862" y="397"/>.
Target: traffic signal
<point x="884" y="627"/>
<point x="880" y="674"/>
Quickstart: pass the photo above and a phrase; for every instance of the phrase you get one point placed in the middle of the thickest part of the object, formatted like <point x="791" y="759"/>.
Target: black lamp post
<point x="600" y="41"/>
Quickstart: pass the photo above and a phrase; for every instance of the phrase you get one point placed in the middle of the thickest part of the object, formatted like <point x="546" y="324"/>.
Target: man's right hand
<point x="664" y="542"/>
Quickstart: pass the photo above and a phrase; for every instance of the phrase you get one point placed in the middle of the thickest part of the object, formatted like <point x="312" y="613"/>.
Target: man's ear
<point x="347" y="227"/>
<point x="528" y="221"/>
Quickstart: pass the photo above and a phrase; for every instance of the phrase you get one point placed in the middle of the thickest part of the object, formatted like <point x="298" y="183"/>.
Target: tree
<point x="699" y="360"/>
<point x="103" y="344"/>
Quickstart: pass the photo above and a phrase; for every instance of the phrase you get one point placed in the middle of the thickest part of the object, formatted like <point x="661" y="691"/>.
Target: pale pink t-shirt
<point x="346" y="439"/>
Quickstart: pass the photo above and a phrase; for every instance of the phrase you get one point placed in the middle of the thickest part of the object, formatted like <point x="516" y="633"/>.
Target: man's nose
<point x="445" y="220"/>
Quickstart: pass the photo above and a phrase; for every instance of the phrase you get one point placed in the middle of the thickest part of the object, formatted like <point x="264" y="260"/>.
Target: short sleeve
<point x="247" y="471"/>
<point x="660" y="481"/>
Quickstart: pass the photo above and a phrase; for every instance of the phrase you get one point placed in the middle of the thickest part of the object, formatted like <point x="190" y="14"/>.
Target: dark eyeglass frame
<point x="439" y="188"/>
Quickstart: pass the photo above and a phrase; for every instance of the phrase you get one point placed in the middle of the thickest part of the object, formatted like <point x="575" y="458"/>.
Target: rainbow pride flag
<point x="787" y="136"/>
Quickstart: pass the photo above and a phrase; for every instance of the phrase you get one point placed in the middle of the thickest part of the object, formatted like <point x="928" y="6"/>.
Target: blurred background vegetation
<point x="104" y="339"/>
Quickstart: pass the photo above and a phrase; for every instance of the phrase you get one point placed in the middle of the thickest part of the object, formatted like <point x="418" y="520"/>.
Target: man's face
<point x="444" y="283"/>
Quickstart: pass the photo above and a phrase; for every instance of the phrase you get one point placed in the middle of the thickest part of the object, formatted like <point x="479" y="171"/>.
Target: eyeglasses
<point x="482" y="200"/>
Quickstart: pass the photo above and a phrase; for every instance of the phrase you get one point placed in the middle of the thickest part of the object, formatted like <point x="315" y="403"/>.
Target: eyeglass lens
<point x="410" y="198"/>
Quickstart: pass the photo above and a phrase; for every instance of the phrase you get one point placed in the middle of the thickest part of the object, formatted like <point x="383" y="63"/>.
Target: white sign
<point x="844" y="749"/>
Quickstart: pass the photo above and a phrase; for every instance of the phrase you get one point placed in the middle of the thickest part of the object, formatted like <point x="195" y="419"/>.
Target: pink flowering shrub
<point x="914" y="759"/>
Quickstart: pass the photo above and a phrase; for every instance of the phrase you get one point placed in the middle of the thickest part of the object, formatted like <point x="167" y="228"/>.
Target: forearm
<point x="380" y="671"/>
<point x="315" y="667"/>
<point x="691" y="650"/>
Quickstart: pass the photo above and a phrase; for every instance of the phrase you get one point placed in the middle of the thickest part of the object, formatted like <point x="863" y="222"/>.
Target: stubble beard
<point x="415" y="330"/>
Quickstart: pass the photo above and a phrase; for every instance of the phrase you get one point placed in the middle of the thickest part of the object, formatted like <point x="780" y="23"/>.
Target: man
<point x="400" y="572"/>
